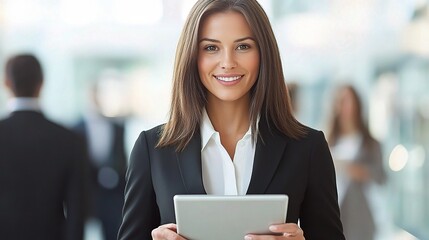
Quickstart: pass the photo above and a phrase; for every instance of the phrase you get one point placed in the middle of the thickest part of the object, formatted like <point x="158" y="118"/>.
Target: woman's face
<point x="346" y="107"/>
<point x="228" y="57"/>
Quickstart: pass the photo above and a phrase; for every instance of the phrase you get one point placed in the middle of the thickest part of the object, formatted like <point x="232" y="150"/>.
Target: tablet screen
<point x="207" y="217"/>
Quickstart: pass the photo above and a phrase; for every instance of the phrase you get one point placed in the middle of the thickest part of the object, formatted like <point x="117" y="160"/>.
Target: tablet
<point x="207" y="217"/>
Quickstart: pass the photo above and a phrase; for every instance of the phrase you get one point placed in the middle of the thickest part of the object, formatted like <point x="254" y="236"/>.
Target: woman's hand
<point x="166" y="232"/>
<point x="289" y="231"/>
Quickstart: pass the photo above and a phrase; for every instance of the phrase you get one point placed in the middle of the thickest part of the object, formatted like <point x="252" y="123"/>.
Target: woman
<point x="358" y="161"/>
<point x="230" y="107"/>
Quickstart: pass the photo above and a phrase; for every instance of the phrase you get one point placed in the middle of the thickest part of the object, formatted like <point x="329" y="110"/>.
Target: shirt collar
<point x="207" y="130"/>
<point x="23" y="104"/>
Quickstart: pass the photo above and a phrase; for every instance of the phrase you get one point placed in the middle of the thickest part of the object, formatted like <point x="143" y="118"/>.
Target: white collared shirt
<point x="221" y="174"/>
<point x="23" y="104"/>
<point x="100" y="137"/>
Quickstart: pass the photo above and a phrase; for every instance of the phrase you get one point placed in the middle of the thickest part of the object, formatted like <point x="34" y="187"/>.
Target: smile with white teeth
<point x="228" y="79"/>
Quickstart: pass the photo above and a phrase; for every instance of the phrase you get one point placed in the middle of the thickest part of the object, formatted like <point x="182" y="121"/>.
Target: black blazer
<point x="116" y="159"/>
<point x="302" y="169"/>
<point x="42" y="168"/>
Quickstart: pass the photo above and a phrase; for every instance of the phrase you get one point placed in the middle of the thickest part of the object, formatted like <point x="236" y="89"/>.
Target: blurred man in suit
<point x="42" y="165"/>
<point x="105" y="142"/>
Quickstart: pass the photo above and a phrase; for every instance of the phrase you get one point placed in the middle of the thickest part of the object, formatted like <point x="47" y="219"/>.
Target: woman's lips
<point x="228" y="80"/>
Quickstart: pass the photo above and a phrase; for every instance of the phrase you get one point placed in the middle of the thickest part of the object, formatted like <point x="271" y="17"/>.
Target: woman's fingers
<point x="290" y="231"/>
<point x="166" y="232"/>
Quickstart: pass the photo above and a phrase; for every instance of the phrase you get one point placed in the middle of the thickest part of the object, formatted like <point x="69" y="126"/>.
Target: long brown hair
<point x="269" y="95"/>
<point x="335" y="130"/>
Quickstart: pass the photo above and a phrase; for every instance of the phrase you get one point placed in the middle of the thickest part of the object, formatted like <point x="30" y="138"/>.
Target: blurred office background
<point x="379" y="46"/>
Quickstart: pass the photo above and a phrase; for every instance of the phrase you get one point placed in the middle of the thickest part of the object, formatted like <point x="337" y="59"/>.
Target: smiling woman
<point x="228" y="65"/>
<point x="228" y="58"/>
<point x="231" y="131"/>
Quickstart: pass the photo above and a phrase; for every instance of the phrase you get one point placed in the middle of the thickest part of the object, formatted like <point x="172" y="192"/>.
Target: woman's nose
<point x="227" y="60"/>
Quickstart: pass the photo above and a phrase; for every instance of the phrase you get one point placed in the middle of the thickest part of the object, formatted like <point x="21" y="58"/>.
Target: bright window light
<point x="398" y="158"/>
<point x="137" y="11"/>
<point x="417" y="157"/>
<point x="21" y="13"/>
<point x="79" y="12"/>
<point x="186" y="7"/>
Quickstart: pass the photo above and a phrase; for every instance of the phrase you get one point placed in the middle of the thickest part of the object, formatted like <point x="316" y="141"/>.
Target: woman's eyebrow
<point x="245" y="38"/>
<point x="217" y="41"/>
<point x="209" y="40"/>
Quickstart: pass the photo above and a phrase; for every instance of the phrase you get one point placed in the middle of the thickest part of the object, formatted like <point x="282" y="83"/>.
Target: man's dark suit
<point x="42" y="176"/>
<point x="302" y="169"/>
<point x="106" y="203"/>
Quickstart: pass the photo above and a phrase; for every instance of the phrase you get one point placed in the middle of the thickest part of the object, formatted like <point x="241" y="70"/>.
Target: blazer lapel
<point x="269" y="150"/>
<point x="189" y="162"/>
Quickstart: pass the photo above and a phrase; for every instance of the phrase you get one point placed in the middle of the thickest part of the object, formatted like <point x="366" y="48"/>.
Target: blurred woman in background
<point x="358" y="162"/>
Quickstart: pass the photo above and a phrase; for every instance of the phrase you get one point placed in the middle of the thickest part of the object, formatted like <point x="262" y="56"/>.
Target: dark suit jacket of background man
<point x="106" y="203"/>
<point x="42" y="169"/>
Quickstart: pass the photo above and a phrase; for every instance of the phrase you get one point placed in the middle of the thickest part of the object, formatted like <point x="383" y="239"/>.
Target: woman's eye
<point x="210" y="48"/>
<point x="243" y="47"/>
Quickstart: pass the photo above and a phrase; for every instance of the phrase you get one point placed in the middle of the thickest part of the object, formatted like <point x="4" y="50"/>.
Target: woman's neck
<point x="231" y="120"/>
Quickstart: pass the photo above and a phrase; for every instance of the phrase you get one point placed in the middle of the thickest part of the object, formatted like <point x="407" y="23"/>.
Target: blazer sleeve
<point x="140" y="212"/>
<point x="320" y="214"/>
